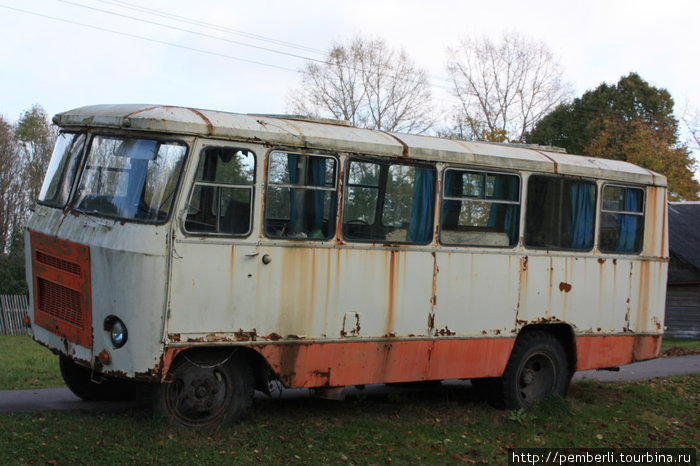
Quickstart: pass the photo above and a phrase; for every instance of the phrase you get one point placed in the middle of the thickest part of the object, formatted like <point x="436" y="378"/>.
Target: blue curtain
<point x="627" y="224"/>
<point x="318" y="178"/>
<point x="582" y="215"/>
<point x="420" y="228"/>
<point x="506" y="189"/>
<point x="293" y="165"/>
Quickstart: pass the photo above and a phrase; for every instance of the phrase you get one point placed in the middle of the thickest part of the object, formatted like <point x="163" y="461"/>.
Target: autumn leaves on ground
<point x="437" y="424"/>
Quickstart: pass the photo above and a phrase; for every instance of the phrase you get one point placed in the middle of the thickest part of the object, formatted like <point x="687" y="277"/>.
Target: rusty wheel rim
<point x="199" y="396"/>
<point x="536" y="378"/>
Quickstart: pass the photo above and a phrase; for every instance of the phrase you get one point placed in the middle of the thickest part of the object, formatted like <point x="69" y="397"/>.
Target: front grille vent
<point x="58" y="263"/>
<point x="60" y="302"/>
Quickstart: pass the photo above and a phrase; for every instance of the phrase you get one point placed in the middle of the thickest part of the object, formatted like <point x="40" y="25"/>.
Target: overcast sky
<point x="64" y="54"/>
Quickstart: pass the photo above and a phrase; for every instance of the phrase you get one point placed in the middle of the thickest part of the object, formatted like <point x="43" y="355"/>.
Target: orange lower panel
<point x="359" y="363"/>
<point x="337" y="364"/>
<point x="609" y="351"/>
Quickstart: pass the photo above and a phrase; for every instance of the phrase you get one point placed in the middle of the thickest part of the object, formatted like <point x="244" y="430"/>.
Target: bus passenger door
<point x="215" y="254"/>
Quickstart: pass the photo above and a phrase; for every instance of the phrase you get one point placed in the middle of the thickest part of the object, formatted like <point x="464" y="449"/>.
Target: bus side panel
<point x="477" y="294"/>
<point x="614" y="350"/>
<point x="592" y="294"/>
<point x="355" y="363"/>
<point x="228" y="293"/>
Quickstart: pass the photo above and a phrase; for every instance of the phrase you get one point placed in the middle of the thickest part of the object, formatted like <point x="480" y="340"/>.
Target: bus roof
<point x="304" y="133"/>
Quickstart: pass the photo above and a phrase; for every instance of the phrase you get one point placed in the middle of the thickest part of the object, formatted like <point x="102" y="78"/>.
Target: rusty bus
<point x="205" y="253"/>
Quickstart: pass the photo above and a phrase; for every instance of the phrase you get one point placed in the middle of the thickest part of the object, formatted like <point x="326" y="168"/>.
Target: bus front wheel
<point x="206" y="390"/>
<point x="94" y="387"/>
<point x="537" y="368"/>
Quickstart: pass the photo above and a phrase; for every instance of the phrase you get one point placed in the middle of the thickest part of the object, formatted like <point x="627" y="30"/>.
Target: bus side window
<point x="300" y="199"/>
<point x="389" y="203"/>
<point x="480" y="209"/>
<point x="560" y="213"/>
<point x="223" y="192"/>
<point x="622" y="219"/>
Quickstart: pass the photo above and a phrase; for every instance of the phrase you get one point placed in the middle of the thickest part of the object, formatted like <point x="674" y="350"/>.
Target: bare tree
<point x="504" y="87"/>
<point x="367" y="84"/>
<point x="11" y="199"/>
<point x="692" y="124"/>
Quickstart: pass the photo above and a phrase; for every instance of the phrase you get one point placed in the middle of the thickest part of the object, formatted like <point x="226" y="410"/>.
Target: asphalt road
<point x="63" y="399"/>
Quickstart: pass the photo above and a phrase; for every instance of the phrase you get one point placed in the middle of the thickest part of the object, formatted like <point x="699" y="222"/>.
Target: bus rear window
<point x="622" y="220"/>
<point x="130" y="179"/>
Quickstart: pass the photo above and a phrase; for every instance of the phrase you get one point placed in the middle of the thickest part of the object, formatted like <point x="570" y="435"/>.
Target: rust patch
<point x="433" y="297"/>
<point x="404" y="146"/>
<point x="273" y="337"/>
<point x="210" y="126"/>
<point x="431" y="322"/>
<point x="445" y="332"/>
<point x="565" y="287"/>
<point x="323" y="376"/>
<point x="393" y="281"/>
<point x="355" y="331"/>
<point x="601" y="261"/>
<point x="556" y="165"/>
<point x="175" y="337"/>
<point x="245" y="336"/>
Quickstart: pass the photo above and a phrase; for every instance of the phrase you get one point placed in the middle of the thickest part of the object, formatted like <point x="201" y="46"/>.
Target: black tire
<point x="207" y="390"/>
<point x="485" y="388"/>
<point x="91" y="386"/>
<point x="537" y="367"/>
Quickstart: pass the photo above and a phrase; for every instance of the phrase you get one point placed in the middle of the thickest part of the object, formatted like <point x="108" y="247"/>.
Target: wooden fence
<point x="13" y="309"/>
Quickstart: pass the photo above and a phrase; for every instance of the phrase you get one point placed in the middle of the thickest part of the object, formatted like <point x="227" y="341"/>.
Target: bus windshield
<point x="129" y="178"/>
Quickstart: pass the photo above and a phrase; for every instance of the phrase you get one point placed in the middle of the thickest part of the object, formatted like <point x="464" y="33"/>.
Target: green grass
<point x="25" y="364"/>
<point x="685" y="343"/>
<point x="441" y="425"/>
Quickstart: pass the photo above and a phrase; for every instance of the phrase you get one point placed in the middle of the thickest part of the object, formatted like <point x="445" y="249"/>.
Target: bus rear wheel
<point x="206" y="391"/>
<point x="537" y="368"/>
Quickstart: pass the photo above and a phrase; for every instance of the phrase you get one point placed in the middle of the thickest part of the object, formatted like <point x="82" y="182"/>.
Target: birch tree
<point x="505" y="87"/>
<point x="368" y="84"/>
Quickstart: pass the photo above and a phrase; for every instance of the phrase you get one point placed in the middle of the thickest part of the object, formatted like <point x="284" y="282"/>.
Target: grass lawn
<point x="680" y="346"/>
<point x="442" y="425"/>
<point x="445" y="424"/>
<point x="25" y="364"/>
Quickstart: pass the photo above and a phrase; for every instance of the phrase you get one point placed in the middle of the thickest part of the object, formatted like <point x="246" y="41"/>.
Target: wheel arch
<point x="259" y="366"/>
<point x="563" y="332"/>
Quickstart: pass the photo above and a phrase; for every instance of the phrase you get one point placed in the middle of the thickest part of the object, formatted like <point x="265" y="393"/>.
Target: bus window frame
<point x="603" y="210"/>
<point x="596" y="214"/>
<point x="161" y="138"/>
<point x="335" y="205"/>
<point x="79" y="160"/>
<point x="194" y="183"/>
<point x="379" y="213"/>
<point x="519" y="203"/>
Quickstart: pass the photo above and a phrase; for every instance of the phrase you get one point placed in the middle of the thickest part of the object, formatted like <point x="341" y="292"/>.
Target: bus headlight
<point x="118" y="333"/>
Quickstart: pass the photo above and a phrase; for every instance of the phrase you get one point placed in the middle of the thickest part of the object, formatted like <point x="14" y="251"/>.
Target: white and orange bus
<point x="207" y="253"/>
